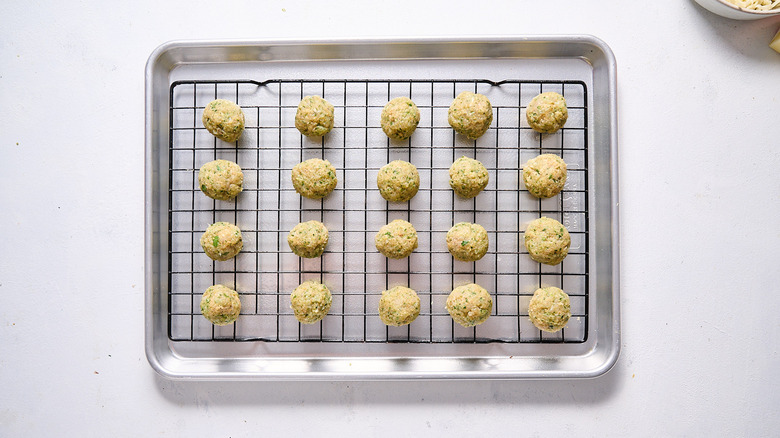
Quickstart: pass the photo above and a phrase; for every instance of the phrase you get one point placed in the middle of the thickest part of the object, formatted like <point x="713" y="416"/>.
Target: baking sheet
<point x="180" y="343"/>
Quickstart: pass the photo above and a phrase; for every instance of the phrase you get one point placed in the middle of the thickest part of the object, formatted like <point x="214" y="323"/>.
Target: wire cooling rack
<point x="266" y="271"/>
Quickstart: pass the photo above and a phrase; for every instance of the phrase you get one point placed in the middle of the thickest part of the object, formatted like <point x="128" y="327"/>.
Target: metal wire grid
<point x="266" y="271"/>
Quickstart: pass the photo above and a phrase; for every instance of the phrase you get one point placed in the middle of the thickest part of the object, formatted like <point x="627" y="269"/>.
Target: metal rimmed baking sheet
<point x="335" y="348"/>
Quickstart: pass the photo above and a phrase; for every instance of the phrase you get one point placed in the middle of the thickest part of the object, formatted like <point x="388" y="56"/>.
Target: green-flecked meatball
<point x="308" y="239"/>
<point x="221" y="179"/>
<point x="222" y="241"/>
<point x="224" y="119"/>
<point x="400" y="118"/>
<point x="398" y="181"/>
<point x="314" y="117"/>
<point x="469" y="305"/>
<point x="310" y="301"/>
<point x="547" y="241"/>
<point x="547" y="113"/>
<point x="545" y="175"/>
<point x="314" y="178"/>
<point x="549" y="309"/>
<point x="399" y="306"/>
<point x="467" y="242"/>
<point x="470" y="114"/>
<point x="396" y="240"/>
<point x="468" y="177"/>
<point x="220" y="305"/>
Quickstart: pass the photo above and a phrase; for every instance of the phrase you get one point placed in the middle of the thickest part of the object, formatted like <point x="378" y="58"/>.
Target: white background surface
<point x="699" y="134"/>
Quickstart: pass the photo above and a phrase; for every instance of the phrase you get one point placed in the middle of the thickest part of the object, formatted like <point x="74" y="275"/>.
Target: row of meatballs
<point x="546" y="240"/>
<point x="470" y="114"/>
<point x="468" y="305"/>
<point x="398" y="181"/>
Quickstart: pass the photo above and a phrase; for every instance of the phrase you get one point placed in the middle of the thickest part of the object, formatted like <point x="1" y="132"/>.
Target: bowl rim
<point x="749" y="11"/>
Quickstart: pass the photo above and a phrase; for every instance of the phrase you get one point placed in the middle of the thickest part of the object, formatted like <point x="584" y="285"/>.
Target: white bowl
<point x="728" y="10"/>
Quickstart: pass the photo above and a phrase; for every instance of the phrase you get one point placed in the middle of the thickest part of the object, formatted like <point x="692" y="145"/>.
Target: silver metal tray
<point x="268" y="78"/>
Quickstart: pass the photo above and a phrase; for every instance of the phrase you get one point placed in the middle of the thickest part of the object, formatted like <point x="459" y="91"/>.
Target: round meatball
<point x="547" y="241"/>
<point x="314" y="117"/>
<point x="547" y="113"/>
<point x="220" y="305"/>
<point x="308" y="239"/>
<point x="397" y="239"/>
<point x="222" y="241"/>
<point x="398" y="181"/>
<point x="224" y="119"/>
<point x="221" y="179"/>
<point x="399" y="306"/>
<point x="314" y="178"/>
<point x="467" y="242"/>
<point x="470" y="114"/>
<point x="468" y="177"/>
<point x="311" y="301"/>
<point x="545" y="175"/>
<point x="469" y="305"/>
<point x="550" y="309"/>
<point x="400" y="118"/>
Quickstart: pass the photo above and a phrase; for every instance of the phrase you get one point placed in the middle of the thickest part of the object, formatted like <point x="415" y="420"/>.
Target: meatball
<point x="314" y="117"/>
<point x="398" y="181"/>
<point x="400" y="118"/>
<point x="221" y="179"/>
<point x="469" y="305"/>
<point x="310" y="301"/>
<point x="547" y="241"/>
<point x="224" y="119"/>
<point x="468" y="177"/>
<point x="547" y="113"/>
<point x="470" y="114"/>
<point x="308" y="239"/>
<point x="222" y="241"/>
<point x="399" y="306"/>
<point x="220" y="305"/>
<point x="314" y="178"/>
<point x="549" y="309"/>
<point x="467" y="242"/>
<point x="545" y="175"/>
<point x="397" y="239"/>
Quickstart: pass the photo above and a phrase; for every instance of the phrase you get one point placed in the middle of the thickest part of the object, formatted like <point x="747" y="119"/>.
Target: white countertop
<point x="699" y="145"/>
